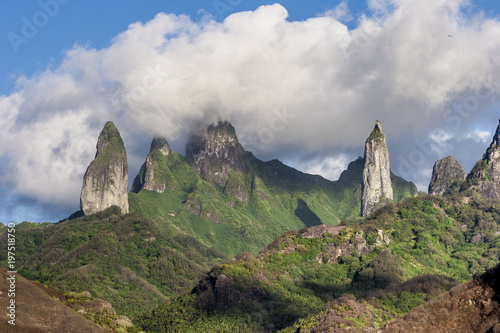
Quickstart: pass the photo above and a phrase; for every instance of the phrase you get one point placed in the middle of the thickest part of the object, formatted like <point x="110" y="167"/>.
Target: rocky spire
<point x="485" y="176"/>
<point x="447" y="175"/>
<point x="493" y="156"/>
<point x="106" y="178"/>
<point x="150" y="176"/>
<point x="216" y="153"/>
<point x="377" y="185"/>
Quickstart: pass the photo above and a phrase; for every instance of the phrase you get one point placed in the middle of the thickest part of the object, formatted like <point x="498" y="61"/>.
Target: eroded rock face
<point x="377" y="185"/>
<point x="485" y="176"/>
<point x="219" y="158"/>
<point x="149" y="177"/>
<point x="447" y="176"/>
<point x="106" y="179"/>
<point x="345" y="248"/>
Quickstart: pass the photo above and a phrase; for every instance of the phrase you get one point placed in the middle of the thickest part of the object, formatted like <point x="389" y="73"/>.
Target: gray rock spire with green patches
<point x="106" y="179"/>
<point x="377" y="185"/>
<point x="447" y="176"/>
<point x="151" y="176"/>
<point x="484" y="178"/>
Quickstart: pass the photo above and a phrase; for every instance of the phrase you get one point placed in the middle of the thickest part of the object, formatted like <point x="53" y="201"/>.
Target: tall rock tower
<point x="106" y="179"/>
<point x="377" y="185"/>
<point x="484" y="178"/>
<point x="152" y="177"/>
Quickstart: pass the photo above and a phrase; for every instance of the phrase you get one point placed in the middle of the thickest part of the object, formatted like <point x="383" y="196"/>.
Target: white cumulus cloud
<point x="291" y="89"/>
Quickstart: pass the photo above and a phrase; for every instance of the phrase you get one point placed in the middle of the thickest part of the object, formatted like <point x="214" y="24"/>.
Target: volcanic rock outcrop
<point x="447" y="176"/>
<point x="377" y="185"/>
<point x="485" y="176"/>
<point x="151" y="176"/>
<point x="219" y="158"/>
<point x="106" y="178"/>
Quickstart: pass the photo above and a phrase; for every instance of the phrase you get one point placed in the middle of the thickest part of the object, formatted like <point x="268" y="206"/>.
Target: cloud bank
<point x="303" y="91"/>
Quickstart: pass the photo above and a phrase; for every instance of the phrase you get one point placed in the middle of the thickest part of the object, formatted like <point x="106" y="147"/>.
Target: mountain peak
<point x="447" y="176"/>
<point x="485" y="175"/>
<point x="160" y="143"/>
<point x="106" y="178"/>
<point x="110" y="137"/>
<point x="152" y="175"/>
<point x="377" y="185"/>
<point x="215" y="152"/>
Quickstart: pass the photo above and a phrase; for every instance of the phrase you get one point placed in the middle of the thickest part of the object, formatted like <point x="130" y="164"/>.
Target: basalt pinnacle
<point x="485" y="176"/>
<point x="106" y="178"/>
<point x="151" y="176"/>
<point x="377" y="185"/>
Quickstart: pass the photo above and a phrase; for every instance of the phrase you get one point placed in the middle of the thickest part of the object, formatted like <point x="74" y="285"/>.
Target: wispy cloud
<point x="341" y="12"/>
<point x="480" y="136"/>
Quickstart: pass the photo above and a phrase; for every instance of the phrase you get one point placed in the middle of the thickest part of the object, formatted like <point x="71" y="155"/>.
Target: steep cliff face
<point x="151" y="176"/>
<point x="485" y="176"/>
<point x="447" y="176"/>
<point x="106" y="178"/>
<point x="219" y="158"/>
<point x="377" y="185"/>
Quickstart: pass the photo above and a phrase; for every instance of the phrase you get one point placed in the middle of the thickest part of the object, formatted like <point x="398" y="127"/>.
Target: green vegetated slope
<point x="296" y="281"/>
<point x="127" y="260"/>
<point x="281" y="199"/>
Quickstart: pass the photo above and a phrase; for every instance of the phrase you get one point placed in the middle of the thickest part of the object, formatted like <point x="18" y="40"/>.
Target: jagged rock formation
<point x="377" y="185"/>
<point x="150" y="176"/>
<point x="106" y="179"/>
<point x="485" y="176"/>
<point x="347" y="248"/>
<point x="220" y="159"/>
<point x="447" y="176"/>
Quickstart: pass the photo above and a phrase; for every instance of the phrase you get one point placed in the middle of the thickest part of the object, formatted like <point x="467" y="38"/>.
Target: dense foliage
<point x="124" y="259"/>
<point x="434" y="245"/>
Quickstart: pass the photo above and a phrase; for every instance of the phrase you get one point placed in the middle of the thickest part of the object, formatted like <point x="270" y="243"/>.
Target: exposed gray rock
<point x="377" y="185"/>
<point x="484" y="178"/>
<point x="106" y="179"/>
<point x="149" y="177"/>
<point x="219" y="158"/>
<point x="447" y="176"/>
<point x="343" y="249"/>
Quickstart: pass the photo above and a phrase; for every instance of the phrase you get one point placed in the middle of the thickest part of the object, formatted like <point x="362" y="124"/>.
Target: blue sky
<point x="96" y="22"/>
<point x="333" y="67"/>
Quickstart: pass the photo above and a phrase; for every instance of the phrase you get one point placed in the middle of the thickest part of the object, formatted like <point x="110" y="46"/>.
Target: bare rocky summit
<point x="447" y="176"/>
<point x="219" y="158"/>
<point x="484" y="178"/>
<point x="150" y="176"/>
<point x="106" y="179"/>
<point x="377" y="185"/>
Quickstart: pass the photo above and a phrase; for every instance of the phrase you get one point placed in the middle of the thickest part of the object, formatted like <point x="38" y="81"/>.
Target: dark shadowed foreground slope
<point x="470" y="307"/>
<point x="37" y="311"/>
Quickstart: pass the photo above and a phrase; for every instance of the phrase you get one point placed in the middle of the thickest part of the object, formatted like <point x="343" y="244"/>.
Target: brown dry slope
<point x="470" y="307"/>
<point x="37" y="311"/>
